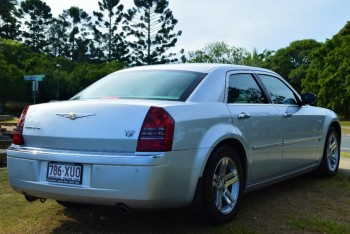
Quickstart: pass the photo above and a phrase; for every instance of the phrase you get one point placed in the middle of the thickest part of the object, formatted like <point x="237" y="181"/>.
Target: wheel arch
<point x="337" y="127"/>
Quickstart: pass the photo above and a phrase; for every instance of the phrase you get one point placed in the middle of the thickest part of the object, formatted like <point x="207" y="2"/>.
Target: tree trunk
<point x="149" y="38"/>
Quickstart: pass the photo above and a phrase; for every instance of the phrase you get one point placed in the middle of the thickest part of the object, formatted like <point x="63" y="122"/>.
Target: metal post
<point x="35" y="89"/>
<point x="33" y="82"/>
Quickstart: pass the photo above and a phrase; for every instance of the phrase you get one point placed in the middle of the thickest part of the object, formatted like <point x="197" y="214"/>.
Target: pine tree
<point x="78" y="27"/>
<point x="58" y="37"/>
<point x="37" y="17"/>
<point x="108" y="31"/>
<point x="151" y="24"/>
<point x="9" y="25"/>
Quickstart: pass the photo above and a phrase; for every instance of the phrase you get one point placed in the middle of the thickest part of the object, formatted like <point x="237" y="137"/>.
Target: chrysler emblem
<point x="129" y="133"/>
<point x="73" y="116"/>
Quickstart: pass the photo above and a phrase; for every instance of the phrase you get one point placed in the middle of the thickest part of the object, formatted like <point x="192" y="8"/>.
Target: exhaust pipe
<point x="123" y="209"/>
<point x="30" y="198"/>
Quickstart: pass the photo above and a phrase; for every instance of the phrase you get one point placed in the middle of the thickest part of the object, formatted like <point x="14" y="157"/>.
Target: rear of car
<point x="116" y="142"/>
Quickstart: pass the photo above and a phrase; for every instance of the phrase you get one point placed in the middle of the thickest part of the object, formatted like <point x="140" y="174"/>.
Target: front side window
<point x="279" y="92"/>
<point x="244" y="89"/>
<point x="155" y="84"/>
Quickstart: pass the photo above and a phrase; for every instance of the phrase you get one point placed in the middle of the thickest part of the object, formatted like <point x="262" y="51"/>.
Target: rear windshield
<point x="155" y="84"/>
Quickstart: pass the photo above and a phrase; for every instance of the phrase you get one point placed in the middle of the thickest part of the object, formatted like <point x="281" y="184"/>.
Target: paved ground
<point x="344" y="165"/>
<point x="345" y="143"/>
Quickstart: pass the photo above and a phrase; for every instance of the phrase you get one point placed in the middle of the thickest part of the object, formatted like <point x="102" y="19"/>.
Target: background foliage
<point x="76" y="49"/>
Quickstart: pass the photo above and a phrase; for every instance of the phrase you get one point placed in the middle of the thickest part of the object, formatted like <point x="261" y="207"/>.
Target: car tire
<point x="222" y="185"/>
<point x="72" y="205"/>
<point x="331" y="154"/>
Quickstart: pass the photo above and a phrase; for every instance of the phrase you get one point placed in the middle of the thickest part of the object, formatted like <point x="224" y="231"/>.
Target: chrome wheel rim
<point x="332" y="152"/>
<point x="225" y="185"/>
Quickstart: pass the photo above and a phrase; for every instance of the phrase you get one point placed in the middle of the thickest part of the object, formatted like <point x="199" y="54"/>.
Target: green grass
<point x="305" y="204"/>
<point x="13" y="121"/>
<point x="345" y="123"/>
<point x="345" y="154"/>
<point x="320" y="225"/>
<point x="345" y="132"/>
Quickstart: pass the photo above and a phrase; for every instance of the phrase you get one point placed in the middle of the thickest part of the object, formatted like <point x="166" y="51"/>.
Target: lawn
<point x="305" y="204"/>
<point x="13" y="121"/>
<point x="345" y="123"/>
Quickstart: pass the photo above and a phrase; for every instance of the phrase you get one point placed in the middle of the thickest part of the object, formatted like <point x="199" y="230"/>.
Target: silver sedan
<point x="172" y="135"/>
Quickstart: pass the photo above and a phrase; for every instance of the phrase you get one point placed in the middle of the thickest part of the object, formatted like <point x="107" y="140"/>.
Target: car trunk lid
<point x="85" y="125"/>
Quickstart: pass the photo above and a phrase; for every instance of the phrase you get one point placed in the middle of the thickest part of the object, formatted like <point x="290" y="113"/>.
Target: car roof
<point x="196" y="67"/>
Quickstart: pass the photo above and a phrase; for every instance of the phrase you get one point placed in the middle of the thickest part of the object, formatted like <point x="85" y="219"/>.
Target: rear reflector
<point x="157" y="131"/>
<point x="17" y="136"/>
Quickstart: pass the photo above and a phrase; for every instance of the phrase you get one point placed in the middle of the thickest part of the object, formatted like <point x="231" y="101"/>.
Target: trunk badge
<point x="73" y="116"/>
<point x="129" y="133"/>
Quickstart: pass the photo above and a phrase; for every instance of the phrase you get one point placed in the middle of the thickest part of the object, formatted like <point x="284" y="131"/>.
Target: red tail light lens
<point x="157" y="131"/>
<point x="17" y="136"/>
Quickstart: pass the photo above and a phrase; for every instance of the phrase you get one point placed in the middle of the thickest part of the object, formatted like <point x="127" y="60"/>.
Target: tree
<point x="37" y="19"/>
<point x="107" y="30"/>
<point x="84" y="74"/>
<point x="7" y="8"/>
<point x="218" y="52"/>
<point x="329" y="73"/>
<point x="11" y="78"/>
<point x="78" y="27"/>
<point x="345" y="30"/>
<point x="293" y="61"/>
<point x="257" y="59"/>
<point x="18" y="59"/>
<point x="9" y="25"/>
<point x="151" y="24"/>
<point x="58" y="37"/>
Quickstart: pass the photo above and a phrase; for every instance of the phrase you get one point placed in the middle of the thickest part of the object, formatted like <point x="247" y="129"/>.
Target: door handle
<point x="287" y="115"/>
<point x="243" y="116"/>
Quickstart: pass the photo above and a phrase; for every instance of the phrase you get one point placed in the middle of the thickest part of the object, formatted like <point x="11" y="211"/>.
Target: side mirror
<point x="308" y="99"/>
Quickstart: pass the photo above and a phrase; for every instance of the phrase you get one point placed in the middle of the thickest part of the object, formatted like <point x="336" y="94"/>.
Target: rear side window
<point x="156" y="84"/>
<point x="244" y="89"/>
<point x="279" y="92"/>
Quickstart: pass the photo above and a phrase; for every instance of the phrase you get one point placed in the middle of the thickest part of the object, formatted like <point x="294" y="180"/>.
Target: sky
<point x="260" y="24"/>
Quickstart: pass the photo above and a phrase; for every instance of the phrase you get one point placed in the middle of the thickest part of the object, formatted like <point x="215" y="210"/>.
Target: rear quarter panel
<point x="200" y="127"/>
<point x="330" y="119"/>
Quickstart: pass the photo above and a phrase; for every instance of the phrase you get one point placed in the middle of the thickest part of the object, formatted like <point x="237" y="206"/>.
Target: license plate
<point x="65" y="173"/>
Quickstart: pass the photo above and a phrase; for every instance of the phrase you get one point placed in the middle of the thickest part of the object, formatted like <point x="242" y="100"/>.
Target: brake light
<point x="157" y="131"/>
<point x="18" y="136"/>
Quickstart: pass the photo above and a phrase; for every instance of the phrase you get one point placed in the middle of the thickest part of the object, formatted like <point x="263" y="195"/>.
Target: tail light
<point x="157" y="131"/>
<point x="17" y="136"/>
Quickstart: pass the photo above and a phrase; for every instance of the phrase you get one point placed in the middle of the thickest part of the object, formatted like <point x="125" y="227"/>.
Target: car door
<point x="301" y="127"/>
<point x="258" y="123"/>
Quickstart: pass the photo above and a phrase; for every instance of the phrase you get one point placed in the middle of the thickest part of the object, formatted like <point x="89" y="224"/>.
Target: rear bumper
<point x="158" y="180"/>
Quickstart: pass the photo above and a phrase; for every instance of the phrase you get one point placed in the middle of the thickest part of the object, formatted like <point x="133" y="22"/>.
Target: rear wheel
<point x="331" y="154"/>
<point x="222" y="184"/>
